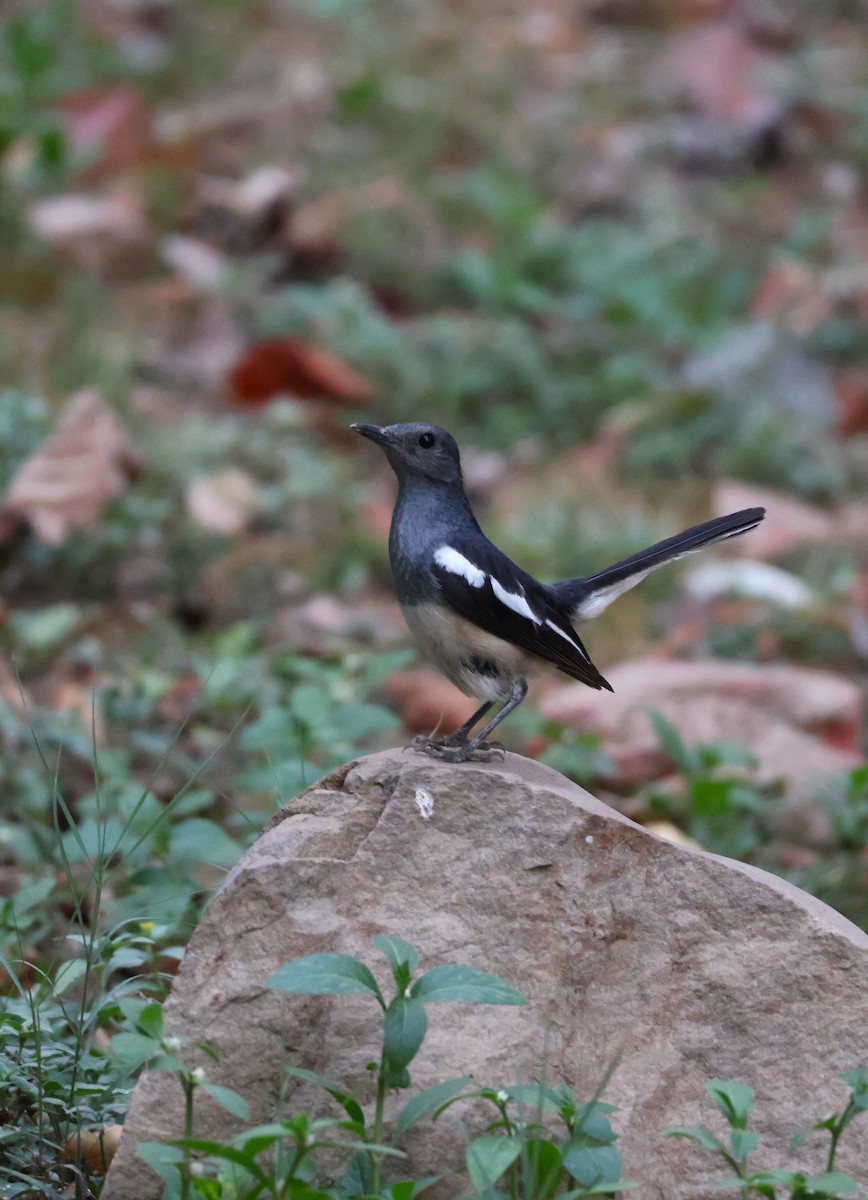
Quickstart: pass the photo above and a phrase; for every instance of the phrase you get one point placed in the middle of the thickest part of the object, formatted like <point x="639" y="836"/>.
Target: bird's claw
<point x="456" y="752"/>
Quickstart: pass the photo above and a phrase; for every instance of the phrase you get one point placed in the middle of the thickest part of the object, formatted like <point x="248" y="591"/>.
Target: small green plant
<point x="846" y="802"/>
<point x="298" y="1157"/>
<point x="405" y="1021"/>
<point x="722" y="808"/>
<point x="56" y="1077"/>
<point x="734" y="1101"/>
<point x="518" y="1148"/>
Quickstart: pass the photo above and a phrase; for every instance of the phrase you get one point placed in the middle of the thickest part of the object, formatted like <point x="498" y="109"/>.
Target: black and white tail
<point x="588" y="597"/>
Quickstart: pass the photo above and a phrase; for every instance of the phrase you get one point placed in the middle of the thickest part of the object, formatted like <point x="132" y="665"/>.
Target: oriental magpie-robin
<point x="484" y="621"/>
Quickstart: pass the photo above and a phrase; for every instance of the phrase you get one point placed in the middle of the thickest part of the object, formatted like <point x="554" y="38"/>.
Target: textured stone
<point x="687" y="966"/>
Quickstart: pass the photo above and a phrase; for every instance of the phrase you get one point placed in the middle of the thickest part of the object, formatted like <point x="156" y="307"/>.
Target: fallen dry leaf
<point x="94" y="1148"/>
<point x="105" y="234"/>
<point x="197" y="263"/>
<point x="788" y="521"/>
<point x="109" y="127"/>
<point x="224" y="502"/>
<point x="73" y="697"/>
<point x="851" y="389"/>
<point x="718" y="68"/>
<point x="285" y="365"/>
<point x="794" y="296"/>
<point x="671" y="833"/>
<point x="427" y="702"/>
<point x="67" y="482"/>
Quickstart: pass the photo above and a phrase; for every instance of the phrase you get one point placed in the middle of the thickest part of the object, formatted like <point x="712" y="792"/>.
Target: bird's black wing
<point x="482" y="585"/>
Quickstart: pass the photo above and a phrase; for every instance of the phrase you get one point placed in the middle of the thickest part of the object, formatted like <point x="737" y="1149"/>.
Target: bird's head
<point x="417" y="450"/>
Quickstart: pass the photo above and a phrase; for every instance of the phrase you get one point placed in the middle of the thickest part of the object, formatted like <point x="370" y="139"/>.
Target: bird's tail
<point x="585" y="598"/>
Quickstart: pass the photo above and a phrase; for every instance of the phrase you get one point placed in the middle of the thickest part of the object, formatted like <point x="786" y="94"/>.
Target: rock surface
<point x="688" y="966"/>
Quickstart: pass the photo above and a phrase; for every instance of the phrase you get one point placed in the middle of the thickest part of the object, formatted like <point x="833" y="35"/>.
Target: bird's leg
<point x="433" y="745"/>
<point x="517" y="693"/>
<point x="460" y="736"/>
<point x="476" y="749"/>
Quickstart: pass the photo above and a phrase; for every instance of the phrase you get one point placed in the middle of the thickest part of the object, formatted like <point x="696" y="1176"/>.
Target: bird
<point x="482" y="620"/>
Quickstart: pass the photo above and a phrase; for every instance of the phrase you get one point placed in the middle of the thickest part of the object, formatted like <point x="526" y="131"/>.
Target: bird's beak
<point x="374" y="433"/>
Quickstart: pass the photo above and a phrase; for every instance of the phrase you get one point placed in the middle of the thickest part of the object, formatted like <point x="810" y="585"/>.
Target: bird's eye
<point x="426" y="440"/>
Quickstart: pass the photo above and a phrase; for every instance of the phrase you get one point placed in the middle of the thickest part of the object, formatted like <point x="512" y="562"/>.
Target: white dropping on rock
<point x="425" y="803"/>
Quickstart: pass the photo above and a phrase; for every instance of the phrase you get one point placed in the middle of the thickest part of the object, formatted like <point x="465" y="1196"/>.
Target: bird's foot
<point x="457" y="752"/>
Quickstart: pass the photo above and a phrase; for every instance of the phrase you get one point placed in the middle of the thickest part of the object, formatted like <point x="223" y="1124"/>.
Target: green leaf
<point x="208" y="1189"/>
<point x="542" y="1164"/>
<point x="222" y="1150"/>
<point x="743" y="1142"/>
<point x="672" y="743"/>
<point x="68" y="975"/>
<point x="200" y="840"/>
<point x="534" y="1097"/>
<point x="734" y="1100"/>
<point x="428" y="1102"/>
<point x="408" y="1189"/>
<point x="831" y="1182"/>
<point x="326" y="975"/>
<point x="396" y="950"/>
<point x="150" y="1020"/>
<point x="593" y="1164"/>
<point x="699" y="1134"/>
<point x="488" y="1157"/>
<point x="404" y="1027"/>
<point x="350" y="1106"/>
<point x="450" y="984"/>
<point x="228" y="1099"/>
<point x="133" y="1049"/>
<point x="857" y="1081"/>
<point x="358" y="1178"/>
<point x="165" y="1160"/>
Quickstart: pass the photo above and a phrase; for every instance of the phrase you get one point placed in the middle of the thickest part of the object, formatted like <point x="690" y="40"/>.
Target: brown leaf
<point x="109" y="127"/>
<point x="285" y="365"/>
<point x="94" y="1148"/>
<point x="108" y="235"/>
<point x="794" y="296"/>
<point x="428" y="702"/>
<point x="851" y="389"/>
<point x="224" y="502"/>
<point x="789" y="522"/>
<point x="73" y="474"/>
<point x="717" y="66"/>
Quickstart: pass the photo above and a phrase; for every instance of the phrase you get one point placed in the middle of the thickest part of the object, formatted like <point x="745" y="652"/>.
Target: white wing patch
<point x="517" y="603"/>
<point x="456" y="564"/>
<point x="567" y="638"/>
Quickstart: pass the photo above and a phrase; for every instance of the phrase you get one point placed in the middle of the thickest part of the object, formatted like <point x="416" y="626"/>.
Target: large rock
<point x="688" y="966"/>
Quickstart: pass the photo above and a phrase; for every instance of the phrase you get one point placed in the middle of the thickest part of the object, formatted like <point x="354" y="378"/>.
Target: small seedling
<point x="404" y="1019"/>
<point x="718" y="803"/>
<point x="735" y="1102"/>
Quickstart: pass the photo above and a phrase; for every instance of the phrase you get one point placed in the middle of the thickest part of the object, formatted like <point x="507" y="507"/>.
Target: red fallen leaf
<point x="851" y="389"/>
<point x="285" y="365"/>
<point x="110" y="126"/>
